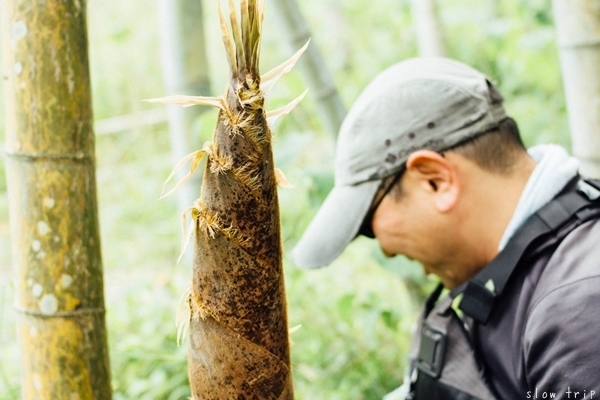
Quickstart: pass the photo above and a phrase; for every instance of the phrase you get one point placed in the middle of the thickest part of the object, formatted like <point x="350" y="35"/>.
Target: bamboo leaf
<point x="252" y="18"/>
<point x="227" y="41"/>
<point x="254" y="34"/>
<point x="261" y="15"/>
<point x="295" y="328"/>
<point x="269" y="79"/>
<point x="261" y="18"/>
<point x="281" y="180"/>
<point x="292" y="330"/>
<point x="182" y="316"/>
<point x="274" y="114"/>
<point x="188" y="101"/>
<point x="187" y="233"/>
<point x="196" y="157"/>
<point x="245" y="29"/>
<point x="177" y="167"/>
<point x="237" y="37"/>
<point x="257" y="50"/>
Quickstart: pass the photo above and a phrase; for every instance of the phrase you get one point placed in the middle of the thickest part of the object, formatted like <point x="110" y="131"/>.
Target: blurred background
<point x="355" y="315"/>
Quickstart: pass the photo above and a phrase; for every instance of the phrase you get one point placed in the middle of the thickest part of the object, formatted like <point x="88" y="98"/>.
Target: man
<point x="429" y="164"/>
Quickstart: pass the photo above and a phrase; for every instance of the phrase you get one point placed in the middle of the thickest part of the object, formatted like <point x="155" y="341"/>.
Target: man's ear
<point x="438" y="176"/>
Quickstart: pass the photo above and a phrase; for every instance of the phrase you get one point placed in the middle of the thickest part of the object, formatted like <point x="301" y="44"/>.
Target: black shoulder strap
<point x="575" y="206"/>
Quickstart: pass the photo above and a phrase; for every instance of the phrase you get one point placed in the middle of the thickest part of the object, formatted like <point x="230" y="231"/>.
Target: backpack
<point x="443" y="363"/>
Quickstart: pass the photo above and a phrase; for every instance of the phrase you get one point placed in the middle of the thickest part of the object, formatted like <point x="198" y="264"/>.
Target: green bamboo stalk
<point x="430" y="39"/>
<point x="329" y="105"/>
<point x="52" y="200"/>
<point x="185" y="70"/>
<point x="578" y="34"/>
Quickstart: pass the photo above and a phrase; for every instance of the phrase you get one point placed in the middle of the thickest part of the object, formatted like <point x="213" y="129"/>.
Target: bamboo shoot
<point x="238" y="324"/>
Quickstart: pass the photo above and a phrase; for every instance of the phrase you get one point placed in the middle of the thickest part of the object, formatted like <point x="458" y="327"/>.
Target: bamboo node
<point x="199" y="310"/>
<point x="251" y="98"/>
<point x="210" y="223"/>
<point x="248" y="177"/>
<point x="60" y="314"/>
<point x="219" y="163"/>
<point x="230" y="119"/>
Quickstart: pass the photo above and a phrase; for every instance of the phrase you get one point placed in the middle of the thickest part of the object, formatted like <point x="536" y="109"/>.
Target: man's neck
<point x="490" y="204"/>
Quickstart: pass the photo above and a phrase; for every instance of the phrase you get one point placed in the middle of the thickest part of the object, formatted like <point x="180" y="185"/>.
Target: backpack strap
<point x="443" y="362"/>
<point x="576" y="206"/>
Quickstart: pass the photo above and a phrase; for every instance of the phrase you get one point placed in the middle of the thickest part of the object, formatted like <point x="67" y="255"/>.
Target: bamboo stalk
<point x="329" y="105"/>
<point x="185" y="70"/>
<point x="129" y="122"/>
<point x="578" y="33"/>
<point x="52" y="201"/>
<point x="428" y="28"/>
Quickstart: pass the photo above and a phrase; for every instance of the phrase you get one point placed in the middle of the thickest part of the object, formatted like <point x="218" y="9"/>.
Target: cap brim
<point x="335" y="225"/>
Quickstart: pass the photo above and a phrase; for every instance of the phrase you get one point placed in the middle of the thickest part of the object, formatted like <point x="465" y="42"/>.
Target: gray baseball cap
<point x="422" y="103"/>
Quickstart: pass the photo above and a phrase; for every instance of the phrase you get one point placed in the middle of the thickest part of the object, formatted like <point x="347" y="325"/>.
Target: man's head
<point x="433" y="118"/>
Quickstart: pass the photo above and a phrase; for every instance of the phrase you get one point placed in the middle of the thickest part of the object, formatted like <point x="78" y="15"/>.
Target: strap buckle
<point x="431" y="350"/>
<point x="477" y="301"/>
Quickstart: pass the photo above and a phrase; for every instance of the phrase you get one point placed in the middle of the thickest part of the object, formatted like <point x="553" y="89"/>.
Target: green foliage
<point x="356" y="314"/>
<point x="146" y="362"/>
<point x="514" y="43"/>
<point x="348" y="345"/>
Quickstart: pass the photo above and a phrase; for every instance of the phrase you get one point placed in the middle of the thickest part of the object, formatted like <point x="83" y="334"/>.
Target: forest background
<point x="355" y="315"/>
